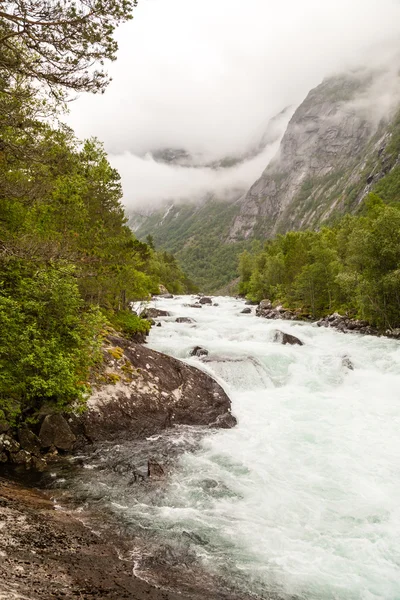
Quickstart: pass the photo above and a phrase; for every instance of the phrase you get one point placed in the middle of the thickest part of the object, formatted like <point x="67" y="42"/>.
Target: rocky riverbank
<point x="342" y="323"/>
<point x="137" y="393"/>
<point x="49" y="553"/>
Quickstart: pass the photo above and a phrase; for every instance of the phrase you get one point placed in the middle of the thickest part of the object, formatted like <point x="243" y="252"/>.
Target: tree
<point x="58" y="43"/>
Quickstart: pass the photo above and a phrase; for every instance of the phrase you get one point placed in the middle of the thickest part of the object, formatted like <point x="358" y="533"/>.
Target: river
<point x="301" y="499"/>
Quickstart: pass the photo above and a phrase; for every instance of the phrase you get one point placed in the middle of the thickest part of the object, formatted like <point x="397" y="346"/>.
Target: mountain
<point x="339" y="144"/>
<point x="326" y="160"/>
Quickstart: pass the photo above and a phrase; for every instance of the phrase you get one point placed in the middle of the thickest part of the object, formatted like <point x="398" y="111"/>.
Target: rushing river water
<point x="302" y="498"/>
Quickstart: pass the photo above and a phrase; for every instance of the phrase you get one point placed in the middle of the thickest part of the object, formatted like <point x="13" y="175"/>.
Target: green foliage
<point x="49" y="340"/>
<point x="66" y="252"/>
<point x="351" y="267"/>
<point x="128" y="323"/>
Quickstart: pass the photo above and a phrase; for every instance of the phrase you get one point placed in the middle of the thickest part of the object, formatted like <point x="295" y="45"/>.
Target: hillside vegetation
<point x="196" y="235"/>
<point x="69" y="264"/>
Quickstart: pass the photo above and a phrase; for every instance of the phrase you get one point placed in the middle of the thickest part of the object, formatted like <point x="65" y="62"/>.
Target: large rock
<point x="246" y="311"/>
<point x="56" y="432"/>
<point x="153" y="313"/>
<point x="161" y="391"/>
<point x="205" y="300"/>
<point x="29" y="441"/>
<point x="286" y="338"/>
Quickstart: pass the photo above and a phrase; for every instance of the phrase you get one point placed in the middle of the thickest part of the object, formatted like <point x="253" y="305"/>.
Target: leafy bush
<point x="49" y="342"/>
<point x="128" y="323"/>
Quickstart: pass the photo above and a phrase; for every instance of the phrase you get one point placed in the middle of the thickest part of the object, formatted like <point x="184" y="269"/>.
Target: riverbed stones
<point x="345" y="324"/>
<point x="286" y="338"/>
<point x="56" y="432"/>
<point x="205" y="300"/>
<point x="246" y="311"/>
<point x="266" y="310"/>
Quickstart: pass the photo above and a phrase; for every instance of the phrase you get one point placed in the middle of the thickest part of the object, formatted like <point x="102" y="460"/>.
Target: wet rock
<point x="265" y="305"/>
<point x="184" y="320"/>
<point x="154" y="469"/>
<point x="8" y="444"/>
<point x="205" y="300"/>
<point x="22" y="458"/>
<point x="139" y="337"/>
<point x="158" y="325"/>
<point x="56" y="432"/>
<point x="345" y="324"/>
<point x="167" y="296"/>
<point x="252" y="302"/>
<point x="39" y="463"/>
<point x="346" y="362"/>
<point x="215" y="304"/>
<point x="193" y="305"/>
<point x="246" y="311"/>
<point x="29" y="441"/>
<point x="199" y="351"/>
<point x="226" y="421"/>
<point x="287" y="338"/>
<point x="153" y="313"/>
<point x="3" y="457"/>
<point x="163" y="392"/>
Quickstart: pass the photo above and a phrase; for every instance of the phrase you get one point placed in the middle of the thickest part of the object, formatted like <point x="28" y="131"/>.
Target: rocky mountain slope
<point x="340" y="142"/>
<point x="326" y="162"/>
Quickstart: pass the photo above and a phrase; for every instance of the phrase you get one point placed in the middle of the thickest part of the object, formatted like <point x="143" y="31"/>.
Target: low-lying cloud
<point x="208" y="76"/>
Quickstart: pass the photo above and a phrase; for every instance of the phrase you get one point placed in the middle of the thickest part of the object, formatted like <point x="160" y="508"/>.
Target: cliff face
<point x="322" y="165"/>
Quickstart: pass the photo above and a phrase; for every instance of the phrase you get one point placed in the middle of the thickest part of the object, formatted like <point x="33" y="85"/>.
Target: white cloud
<point x="207" y="76"/>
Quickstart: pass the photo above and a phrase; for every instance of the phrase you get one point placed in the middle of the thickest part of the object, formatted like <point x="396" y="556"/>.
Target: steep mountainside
<point x="339" y="144"/>
<point x="326" y="162"/>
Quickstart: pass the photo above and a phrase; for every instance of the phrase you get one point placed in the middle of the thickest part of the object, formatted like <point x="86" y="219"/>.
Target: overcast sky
<point x="208" y="75"/>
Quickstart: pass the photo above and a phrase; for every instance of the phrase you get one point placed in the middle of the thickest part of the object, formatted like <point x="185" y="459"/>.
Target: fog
<point x="208" y="76"/>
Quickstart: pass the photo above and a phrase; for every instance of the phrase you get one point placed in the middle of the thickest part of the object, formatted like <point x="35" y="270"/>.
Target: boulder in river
<point x="184" y="320"/>
<point x="287" y="338"/>
<point x="150" y="392"/>
<point x="205" y="300"/>
<point x="199" y="351"/>
<point x="246" y="311"/>
<point x="153" y="313"/>
<point x="193" y="305"/>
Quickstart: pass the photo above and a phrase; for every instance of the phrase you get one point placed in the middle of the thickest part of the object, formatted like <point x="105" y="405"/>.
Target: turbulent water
<point x="302" y="497"/>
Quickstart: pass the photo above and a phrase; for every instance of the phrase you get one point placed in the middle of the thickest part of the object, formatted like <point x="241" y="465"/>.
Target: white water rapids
<point x="303" y="496"/>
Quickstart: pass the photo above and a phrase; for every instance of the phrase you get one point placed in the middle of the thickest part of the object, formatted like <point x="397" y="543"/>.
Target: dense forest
<point x="69" y="264"/>
<point x="352" y="267"/>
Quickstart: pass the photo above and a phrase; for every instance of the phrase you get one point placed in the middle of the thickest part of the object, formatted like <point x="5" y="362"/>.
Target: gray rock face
<point x="154" y="392"/>
<point x="56" y="432"/>
<point x="322" y="153"/>
<point x="286" y="338"/>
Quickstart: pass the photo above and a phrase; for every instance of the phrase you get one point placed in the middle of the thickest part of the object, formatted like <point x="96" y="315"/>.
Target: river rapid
<point x="301" y="499"/>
